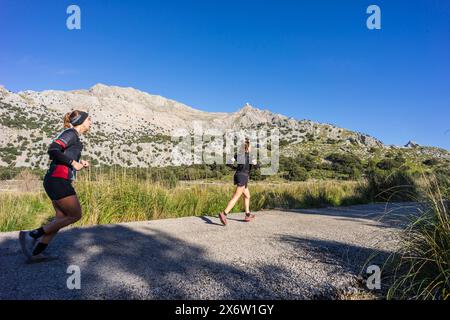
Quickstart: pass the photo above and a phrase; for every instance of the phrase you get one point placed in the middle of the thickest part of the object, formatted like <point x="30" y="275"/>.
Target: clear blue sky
<point x="306" y="59"/>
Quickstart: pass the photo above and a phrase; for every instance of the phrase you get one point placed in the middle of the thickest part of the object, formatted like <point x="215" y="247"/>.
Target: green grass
<point x="23" y="211"/>
<point x="125" y="199"/>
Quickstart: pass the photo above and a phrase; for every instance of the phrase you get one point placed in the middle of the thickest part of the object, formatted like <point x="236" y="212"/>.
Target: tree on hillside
<point x="296" y="173"/>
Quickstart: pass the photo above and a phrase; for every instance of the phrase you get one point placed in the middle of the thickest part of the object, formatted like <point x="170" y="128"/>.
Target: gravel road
<point x="304" y="254"/>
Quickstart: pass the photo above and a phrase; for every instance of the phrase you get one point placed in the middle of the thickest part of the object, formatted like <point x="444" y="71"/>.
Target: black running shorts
<point x="58" y="188"/>
<point x="241" y="179"/>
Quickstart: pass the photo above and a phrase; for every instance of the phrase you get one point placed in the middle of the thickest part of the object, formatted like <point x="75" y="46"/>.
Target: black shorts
<point x="241" y="179"/>
<point x="58" y="188"/>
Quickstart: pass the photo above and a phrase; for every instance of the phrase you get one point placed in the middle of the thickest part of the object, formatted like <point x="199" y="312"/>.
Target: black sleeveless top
<point x="244" y="163"/>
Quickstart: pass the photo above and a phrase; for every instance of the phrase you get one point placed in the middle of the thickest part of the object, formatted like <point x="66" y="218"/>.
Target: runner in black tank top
<point x="65" y="153"/>
<point x="242" y="174"/>
<point x="241" y="177"/>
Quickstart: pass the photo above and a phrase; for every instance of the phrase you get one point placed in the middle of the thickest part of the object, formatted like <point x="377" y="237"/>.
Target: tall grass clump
<point x="391" y="185"/>
<point x="422" y="265"/>
<point x="124" y="199"/>
<point x="23" y="210"/>
<point x="443" y="180"/>
<point x="127" y="199"/>
<point x="119" y="196"/>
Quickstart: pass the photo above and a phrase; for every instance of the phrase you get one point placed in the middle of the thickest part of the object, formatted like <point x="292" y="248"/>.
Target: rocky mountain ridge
<point x="134" y="128"/>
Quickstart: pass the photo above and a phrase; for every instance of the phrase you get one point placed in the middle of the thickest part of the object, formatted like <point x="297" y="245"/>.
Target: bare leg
<point x="234" y="199"/>
<point x="247" y="200"/>
<point x="59" y="215"/>
<point x="70" y="206"/>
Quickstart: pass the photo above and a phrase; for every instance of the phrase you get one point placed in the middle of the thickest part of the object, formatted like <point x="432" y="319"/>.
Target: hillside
<point x="133" y="128"/>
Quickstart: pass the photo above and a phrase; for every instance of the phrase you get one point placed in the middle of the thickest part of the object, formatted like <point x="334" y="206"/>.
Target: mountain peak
<point x="247" y="108"/>
<point x="104" y="90"/>
<point x="99" y="87"/>
<point x="411" y="144"/>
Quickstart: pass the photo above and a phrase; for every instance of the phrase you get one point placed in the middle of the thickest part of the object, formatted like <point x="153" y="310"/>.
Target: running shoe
<point x="249" y="217"/>
<point x="223" y="218"/>
<point x="27" y="243"/>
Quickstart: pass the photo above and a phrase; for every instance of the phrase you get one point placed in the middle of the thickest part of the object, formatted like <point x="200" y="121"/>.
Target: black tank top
<point x="244" y="163"/>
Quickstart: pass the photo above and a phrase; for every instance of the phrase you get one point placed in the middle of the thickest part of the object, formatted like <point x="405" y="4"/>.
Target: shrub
<point x="297" y="173"/>
<point x="347" y="164"/>
<point x="397" y="185"/>
<point x="389" y="163"/>
<point x="431" y="162"/>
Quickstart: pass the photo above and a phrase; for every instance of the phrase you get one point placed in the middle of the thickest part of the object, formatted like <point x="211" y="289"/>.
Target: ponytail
<point x="67" y="120"/>
<point x="247" y="145"/>
<point x="69" y="117"/>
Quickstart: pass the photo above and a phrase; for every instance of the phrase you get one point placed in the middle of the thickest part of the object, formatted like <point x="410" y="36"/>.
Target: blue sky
<point x="306" y="59"/>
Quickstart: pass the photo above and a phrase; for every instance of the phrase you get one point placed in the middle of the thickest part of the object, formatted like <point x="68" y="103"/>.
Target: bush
<point x="306" y="161"/>
<point x="389" y="163"/>
<point x="397" y="185"/>
<point x="431" y="162"/>
<point x="347" y="164"/>
<point x="7" y="173"/>
<point x="283" y="143"/>
<point x="297" y="173"/>
<point x="256" y="175"/>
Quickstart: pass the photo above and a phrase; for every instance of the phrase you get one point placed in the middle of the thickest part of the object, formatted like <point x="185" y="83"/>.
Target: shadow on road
<point x="209" y="221"/>
<point x="351" y="258"/>
<point x="118" y="262"/>
<point x="392" y="215"/>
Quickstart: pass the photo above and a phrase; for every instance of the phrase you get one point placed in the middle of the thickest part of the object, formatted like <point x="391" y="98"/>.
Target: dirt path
<point x="280" y="255"/>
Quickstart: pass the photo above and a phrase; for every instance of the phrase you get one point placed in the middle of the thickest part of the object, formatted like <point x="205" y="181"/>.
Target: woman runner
<point x="241" y="177"/>
<point x="65" y="153"/>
